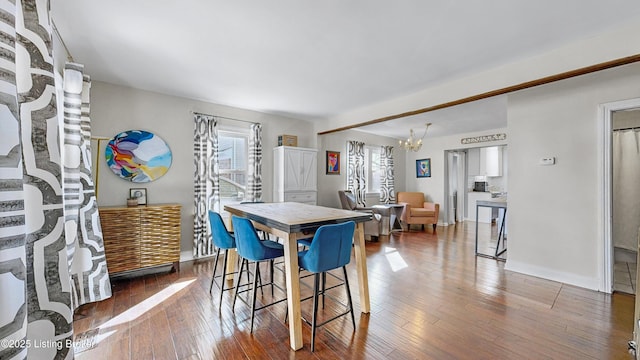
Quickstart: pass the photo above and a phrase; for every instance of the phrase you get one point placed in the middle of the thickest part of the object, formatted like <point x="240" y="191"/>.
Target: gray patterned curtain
<point x="387" y="183"/>
<point x="254" y="171"/>
<point x="356" y="177"/>
<point x="206" y="181"/>
<point x="36" y="301"/>
<point x="87" y="262"/>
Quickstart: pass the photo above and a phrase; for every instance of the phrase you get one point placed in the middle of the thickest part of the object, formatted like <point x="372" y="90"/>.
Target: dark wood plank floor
<point x="431" y="298"/>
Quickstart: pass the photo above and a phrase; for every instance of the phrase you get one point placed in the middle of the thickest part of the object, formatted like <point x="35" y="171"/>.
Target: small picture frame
<point x="333" y="163"/>
<point x="423" y="168"/>
<point x="140" y="194"/>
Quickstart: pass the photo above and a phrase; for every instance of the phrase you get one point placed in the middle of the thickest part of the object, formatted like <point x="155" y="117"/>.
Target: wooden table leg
<point x="293" y="289"/>
<point x="361" y="264"/>
<point x="232" y="260"/>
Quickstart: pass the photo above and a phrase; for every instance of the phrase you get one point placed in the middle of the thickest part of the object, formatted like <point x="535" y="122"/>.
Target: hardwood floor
<point x="431" y="298"/>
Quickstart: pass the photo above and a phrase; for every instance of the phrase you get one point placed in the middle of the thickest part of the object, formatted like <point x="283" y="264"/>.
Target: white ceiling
<point x="315" y="59"/>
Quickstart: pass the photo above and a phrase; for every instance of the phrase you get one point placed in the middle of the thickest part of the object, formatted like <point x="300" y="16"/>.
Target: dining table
<point x="291" y="221"/>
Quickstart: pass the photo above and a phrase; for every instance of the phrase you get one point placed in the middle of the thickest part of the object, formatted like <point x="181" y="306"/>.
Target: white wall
<point x="328" y="185"/>
<point x="555" y="212"/>
<point x="434" y="148"/>
<point x="115" y="109"/>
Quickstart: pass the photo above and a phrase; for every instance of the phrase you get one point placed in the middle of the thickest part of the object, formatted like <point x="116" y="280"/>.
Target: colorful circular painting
<point x="138" y="156"/>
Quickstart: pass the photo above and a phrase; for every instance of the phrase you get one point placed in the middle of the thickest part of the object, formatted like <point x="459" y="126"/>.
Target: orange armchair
<point x="416" y="210"/>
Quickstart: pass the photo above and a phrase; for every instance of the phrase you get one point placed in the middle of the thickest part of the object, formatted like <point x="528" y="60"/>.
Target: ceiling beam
<point x="525" y="85"/>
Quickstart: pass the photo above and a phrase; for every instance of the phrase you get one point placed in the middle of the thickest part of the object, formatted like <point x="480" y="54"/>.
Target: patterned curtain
<point x="206" y="181"/>
<point x="356" y="176"/>
<point x="87" y="262"/>
<point x="254" y="172"/>
<point x="36" y="300"/>
<point x="387" y="183"/>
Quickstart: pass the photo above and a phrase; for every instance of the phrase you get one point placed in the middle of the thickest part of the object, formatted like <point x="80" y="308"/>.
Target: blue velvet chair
<point x="330" y="249"/>
<point x="251" y="248"/>
<point x="222" y="239"/>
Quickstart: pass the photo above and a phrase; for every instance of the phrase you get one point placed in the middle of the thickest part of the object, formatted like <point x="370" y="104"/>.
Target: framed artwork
<point x="140" y="194"/>
<point x="333" y="163"/>
<point x="138" y="156"/>
<point x="423" y="168"/>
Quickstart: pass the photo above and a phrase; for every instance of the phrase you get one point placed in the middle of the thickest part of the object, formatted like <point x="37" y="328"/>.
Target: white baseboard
<point x="550" y="274"/>
<point x="186" y="255"/>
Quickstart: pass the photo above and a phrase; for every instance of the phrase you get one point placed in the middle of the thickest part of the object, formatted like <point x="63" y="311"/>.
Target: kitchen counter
<point x="499" y="203"/>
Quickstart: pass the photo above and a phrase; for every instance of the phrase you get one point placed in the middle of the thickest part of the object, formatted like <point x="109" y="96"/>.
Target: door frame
<point x="605" y="144"/>
<point x="447" y="220"/>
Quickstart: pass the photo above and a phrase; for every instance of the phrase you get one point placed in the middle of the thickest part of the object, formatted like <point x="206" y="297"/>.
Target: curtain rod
<point x="64" y="45"/>
<point x="629" y="128"/>
<point x="223" y="117"/>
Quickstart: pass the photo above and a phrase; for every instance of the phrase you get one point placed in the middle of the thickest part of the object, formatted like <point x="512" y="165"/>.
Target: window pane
<point x="232" y="162"/>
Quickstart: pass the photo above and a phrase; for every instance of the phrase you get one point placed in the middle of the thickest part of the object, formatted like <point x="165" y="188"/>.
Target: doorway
<point x="456" y="186"/>
<point x="607" y="113"/>
<point x="625" y="194"/>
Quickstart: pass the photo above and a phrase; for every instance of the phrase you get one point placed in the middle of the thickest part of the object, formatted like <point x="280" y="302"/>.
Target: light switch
<point x="547" y="161"/>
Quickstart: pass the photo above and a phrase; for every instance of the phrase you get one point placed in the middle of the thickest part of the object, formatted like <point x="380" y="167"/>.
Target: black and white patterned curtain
<point x="356" y="176"/>
<point x="37" y="293"/>
<point x="387" y="182"/>
<point x="87" y="262"/>
<point x="206" y="181"/>
<point x="254" y="171"/>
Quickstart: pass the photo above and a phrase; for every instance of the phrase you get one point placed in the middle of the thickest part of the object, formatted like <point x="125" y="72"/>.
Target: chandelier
<point x="412" y="143"/>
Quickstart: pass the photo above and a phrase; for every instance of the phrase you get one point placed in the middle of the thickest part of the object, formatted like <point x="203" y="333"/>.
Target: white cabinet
<point x="473" y="161"/>
<point x="295" y="174"/>
<point x="486" y="161"/>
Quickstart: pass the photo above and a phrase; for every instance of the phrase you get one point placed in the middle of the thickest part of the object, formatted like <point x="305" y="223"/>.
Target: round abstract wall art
<point x="138" y="156"/>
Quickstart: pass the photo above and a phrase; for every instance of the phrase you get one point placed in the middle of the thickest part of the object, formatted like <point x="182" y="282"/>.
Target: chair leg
<point x="271" y="275"/>
<point x="324" y="286"/>
<point x="346" y="282"/>
<point x="316" y="285"/>
<point x="434" y="227"/>
<point x="224" y="277"/>
<point x="235" y="293"/>
<point x="215" y="267"/>
<point x="256" y="274"/>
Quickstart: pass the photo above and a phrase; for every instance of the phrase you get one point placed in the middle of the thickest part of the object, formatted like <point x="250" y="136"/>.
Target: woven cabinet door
<point x="121" y="232"/>
<point x="159" y="235"/>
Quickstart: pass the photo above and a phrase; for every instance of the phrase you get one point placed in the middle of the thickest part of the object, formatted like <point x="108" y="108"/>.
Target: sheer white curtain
<point x="626" y="188"/>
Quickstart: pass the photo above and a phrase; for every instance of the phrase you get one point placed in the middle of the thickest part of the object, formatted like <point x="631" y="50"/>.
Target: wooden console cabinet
<point x="140" y="237"/>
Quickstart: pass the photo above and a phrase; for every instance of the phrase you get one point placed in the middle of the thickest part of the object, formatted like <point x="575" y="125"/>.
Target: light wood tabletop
<point x="292" y="221"/>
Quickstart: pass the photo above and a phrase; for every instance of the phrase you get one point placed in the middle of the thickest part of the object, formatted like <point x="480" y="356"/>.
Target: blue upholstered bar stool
<point x="222" y="240"/>
<point x="251" y="248"/>
<point x="330" y="249"/>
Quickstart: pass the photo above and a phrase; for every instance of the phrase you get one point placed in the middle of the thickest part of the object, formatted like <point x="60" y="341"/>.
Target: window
<point x="232" y="162"/>
<point x="372" y="168"/>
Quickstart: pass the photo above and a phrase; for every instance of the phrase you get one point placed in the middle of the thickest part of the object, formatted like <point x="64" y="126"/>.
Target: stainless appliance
<point x="481" y="186"/>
